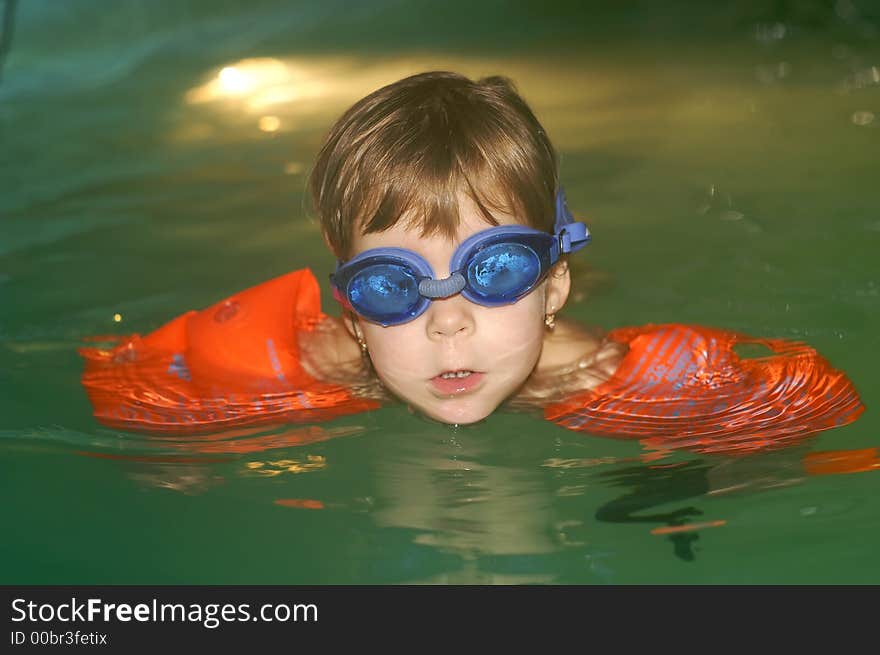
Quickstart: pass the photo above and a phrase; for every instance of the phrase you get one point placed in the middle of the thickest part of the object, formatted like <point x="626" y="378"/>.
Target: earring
<point x="359" y="337"/>
<point x="550" y="321"/>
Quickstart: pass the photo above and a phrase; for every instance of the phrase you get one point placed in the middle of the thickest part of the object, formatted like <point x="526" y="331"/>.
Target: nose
<point x="450" y="317"/>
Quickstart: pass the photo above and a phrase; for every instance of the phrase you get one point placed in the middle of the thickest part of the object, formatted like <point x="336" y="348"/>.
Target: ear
<point x="558" y="287"/>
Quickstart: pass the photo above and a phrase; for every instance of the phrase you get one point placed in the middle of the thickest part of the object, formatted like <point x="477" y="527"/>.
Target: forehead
<point x="405" y="234"/>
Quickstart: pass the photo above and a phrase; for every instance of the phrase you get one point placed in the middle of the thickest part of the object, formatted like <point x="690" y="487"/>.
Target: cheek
<point x="394" y="349"/>
<point x="516" y="331"/>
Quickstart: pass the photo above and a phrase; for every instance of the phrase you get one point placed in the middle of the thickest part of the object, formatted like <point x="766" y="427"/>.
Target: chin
<point x="459" y="413"/>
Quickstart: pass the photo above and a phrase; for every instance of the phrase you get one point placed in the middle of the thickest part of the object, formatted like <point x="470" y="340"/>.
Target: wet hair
<point x="407" y="150"/>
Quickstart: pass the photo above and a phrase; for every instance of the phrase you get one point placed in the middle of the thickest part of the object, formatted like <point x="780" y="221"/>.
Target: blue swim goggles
<point x="498" y="266"/>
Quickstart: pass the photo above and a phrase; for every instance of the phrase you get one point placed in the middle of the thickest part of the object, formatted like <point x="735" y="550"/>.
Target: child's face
<point x="497" y="346"/>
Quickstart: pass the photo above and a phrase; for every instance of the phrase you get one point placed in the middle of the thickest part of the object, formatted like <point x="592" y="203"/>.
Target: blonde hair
<point x="408" y="149"/>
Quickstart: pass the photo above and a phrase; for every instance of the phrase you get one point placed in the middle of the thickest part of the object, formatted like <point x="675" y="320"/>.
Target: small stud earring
<point x="550" y="321"/>
<point x="359" y="337"/>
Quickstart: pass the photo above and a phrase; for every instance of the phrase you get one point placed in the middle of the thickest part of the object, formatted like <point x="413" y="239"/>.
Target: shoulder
<point x="575" y="359"/>
<point x="566" y="345"/>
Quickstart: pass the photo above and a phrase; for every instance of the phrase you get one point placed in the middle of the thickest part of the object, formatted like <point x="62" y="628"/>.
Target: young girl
<point x="440" y="198"/>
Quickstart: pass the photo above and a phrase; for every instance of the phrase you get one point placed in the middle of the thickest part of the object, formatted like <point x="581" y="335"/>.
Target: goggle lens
<point x="503" y="271"/>
<point x="385" y="292"/>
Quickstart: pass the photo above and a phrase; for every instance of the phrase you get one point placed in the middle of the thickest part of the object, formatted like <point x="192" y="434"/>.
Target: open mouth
<point x="453" y="383"/>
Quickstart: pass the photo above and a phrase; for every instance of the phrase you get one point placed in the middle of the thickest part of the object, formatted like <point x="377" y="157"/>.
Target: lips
<point x="458" y="382"/>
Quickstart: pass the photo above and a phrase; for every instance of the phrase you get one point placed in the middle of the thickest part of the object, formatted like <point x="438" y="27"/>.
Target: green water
<point x="725" y="161"/>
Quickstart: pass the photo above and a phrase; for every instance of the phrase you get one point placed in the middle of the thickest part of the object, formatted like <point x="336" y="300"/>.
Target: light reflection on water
<point x="582" y="105"/>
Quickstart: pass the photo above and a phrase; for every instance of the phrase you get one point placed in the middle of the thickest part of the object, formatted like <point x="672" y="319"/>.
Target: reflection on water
<point x="181" y="478"/>
<point x="302" y="93"/>
<point x="651" y="487"/>
<point x="584" y="105"/>
<point x="468" y="505"/>
<point x="257" y="84"/>
<point x="495" y="518"/>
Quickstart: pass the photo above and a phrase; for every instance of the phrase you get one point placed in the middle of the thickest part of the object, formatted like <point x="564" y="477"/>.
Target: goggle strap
<point x="563" y="215"/>
<point x="573" y="235"/>
<point x="442" y="288"/>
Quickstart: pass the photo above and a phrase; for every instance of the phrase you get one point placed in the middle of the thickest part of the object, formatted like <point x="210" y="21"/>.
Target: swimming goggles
<point x="497" y="266"/>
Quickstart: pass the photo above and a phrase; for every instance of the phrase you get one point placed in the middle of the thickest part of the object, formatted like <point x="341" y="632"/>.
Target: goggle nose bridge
<point x="448" y="286"/>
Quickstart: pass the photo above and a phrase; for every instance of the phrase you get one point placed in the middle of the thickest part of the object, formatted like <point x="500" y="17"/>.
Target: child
<point x="440" y="198"/>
